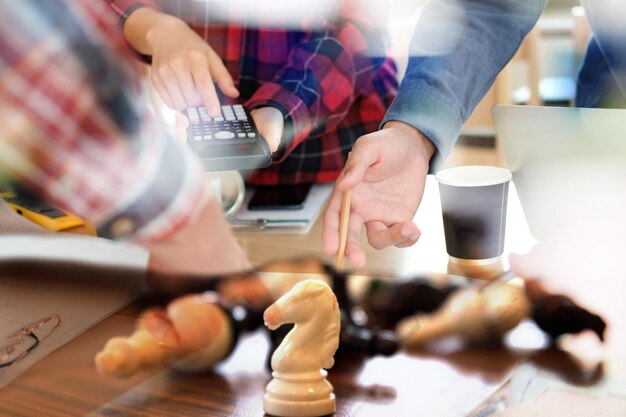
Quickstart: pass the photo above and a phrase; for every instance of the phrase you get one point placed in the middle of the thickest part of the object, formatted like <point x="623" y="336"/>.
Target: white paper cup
<point x="474" y="205"/>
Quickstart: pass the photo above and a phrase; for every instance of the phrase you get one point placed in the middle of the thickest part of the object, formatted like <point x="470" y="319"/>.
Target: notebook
<point x="282" y="221"/>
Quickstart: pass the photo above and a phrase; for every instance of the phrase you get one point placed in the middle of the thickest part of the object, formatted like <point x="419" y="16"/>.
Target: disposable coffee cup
<point x="474" y="206"/>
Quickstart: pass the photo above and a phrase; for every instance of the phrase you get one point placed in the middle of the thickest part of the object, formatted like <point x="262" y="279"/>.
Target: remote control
<point x="229" y="141"/>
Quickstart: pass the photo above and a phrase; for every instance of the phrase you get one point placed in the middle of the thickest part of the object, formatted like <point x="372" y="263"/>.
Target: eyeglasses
<point x="28" y="338"/>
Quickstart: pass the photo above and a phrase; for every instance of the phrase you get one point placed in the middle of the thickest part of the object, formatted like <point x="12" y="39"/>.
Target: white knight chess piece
<point x="299" y="387"/>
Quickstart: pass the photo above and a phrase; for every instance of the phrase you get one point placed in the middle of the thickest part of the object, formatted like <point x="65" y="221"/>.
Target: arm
<point x="73" y="132"/>
<point x="184" y="66"/>
<point x="457" y="50"/>
<point x="326" y="72"/>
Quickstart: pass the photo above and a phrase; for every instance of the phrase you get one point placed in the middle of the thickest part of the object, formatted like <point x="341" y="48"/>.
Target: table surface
<point x="447" y="381"/>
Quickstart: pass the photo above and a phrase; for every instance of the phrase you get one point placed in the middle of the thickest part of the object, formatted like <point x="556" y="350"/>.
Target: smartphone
<point x="279" y="197"/>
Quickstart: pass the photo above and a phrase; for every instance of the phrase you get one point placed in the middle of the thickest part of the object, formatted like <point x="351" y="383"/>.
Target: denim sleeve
<point x="602" y="76"/>
<point x="457" y="50"/>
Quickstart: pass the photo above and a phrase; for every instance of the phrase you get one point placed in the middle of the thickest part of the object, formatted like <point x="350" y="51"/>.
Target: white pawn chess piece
<point x="474" y="314"/>
<point x="196" y="319"/>
<point x="299" y="387"/>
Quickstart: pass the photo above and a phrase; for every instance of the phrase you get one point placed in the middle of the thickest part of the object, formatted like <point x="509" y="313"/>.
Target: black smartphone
<point x="279" y="197"/>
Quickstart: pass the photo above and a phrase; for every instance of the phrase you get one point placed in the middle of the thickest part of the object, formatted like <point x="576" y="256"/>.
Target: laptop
<point x="569" y="170"/>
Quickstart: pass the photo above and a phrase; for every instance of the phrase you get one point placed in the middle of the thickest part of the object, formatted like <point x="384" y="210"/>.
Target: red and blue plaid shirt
<point x="74" y="127"/>
<point x="332" y="81"/>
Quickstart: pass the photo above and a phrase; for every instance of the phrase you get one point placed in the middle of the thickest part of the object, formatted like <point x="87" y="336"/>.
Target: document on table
<point x="282" y="221"/>
<point x="430" y="386"/>
<point x="83" y="279"/>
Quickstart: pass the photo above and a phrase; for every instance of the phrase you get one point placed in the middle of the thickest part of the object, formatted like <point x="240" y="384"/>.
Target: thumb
<point x="182" y="123"/>
<point x="270" y="123"/>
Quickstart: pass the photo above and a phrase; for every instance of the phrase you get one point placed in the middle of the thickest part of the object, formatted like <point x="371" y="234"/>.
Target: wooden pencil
<point x="344" y="217"/>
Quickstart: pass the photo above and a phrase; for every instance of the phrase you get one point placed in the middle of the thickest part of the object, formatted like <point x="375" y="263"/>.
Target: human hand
<point x="180" y="127"/>
<point x="386" y="172"/>
<point x="204" y="246"/>
<point x="184" y="66"/>
<point x="269" y="120"/>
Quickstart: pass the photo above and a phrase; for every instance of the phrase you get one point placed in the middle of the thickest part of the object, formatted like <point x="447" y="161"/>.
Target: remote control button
<point x="224" y="135"/>
<point x="208" y="137"/>
<point x="241" y="135"/>
<point x="251" y="135"/>
<point x="197" y="138"/>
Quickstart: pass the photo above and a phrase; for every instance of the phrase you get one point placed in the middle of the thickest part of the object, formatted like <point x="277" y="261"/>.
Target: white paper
<point x="72" y="248"/>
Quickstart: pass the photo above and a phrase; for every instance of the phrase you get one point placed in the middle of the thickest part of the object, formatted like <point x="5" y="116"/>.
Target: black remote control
<point x="229" y="141"/>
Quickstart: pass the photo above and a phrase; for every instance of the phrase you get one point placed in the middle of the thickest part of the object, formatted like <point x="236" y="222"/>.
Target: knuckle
<point x="194" y="55"/>
<point x="180" y="61"/>
<point x="162" y="72"/>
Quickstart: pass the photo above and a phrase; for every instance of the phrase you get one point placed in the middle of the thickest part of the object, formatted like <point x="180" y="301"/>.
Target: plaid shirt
<point x="333" y="83"/>
<point x="72" y="129"/>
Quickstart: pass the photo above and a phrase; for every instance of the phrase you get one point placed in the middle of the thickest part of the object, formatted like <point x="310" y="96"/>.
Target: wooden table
<point x="65" y="383"/>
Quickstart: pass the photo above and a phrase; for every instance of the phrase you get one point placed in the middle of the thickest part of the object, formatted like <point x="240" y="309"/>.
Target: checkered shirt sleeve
<point x="72" y="128"/>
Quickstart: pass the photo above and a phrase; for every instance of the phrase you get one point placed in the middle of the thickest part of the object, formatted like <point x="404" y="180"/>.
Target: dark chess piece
<point x="387" y="301"/>
<point x="371" y="341"/>
<point x="558" y="314"/>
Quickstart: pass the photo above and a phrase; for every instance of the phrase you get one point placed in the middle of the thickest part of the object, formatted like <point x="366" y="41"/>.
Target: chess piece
<point x="194" y="333"/>
<point x="299" y="387"/>
<point x="476" y="315"/>
<point x="557" y="314"/>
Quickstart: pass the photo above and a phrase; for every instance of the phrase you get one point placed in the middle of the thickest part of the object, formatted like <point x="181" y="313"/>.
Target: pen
<point x="246" y="223"/>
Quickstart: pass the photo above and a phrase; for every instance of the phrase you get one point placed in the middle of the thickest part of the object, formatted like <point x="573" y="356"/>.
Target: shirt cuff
<point x="126" y="7"/>
<point x="170" y="199"/>
<point x="130" y="11"/>
<point x="422" y="107"/>
<point x="294" y="110"/>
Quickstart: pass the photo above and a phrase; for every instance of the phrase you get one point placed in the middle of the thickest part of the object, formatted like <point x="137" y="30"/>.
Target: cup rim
<point x="229" y="206"/>
<point x="473" y="176"/>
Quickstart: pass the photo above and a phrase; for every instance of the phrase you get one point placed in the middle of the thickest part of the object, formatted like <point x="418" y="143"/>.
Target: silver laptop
<point x="569" y="169"/>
